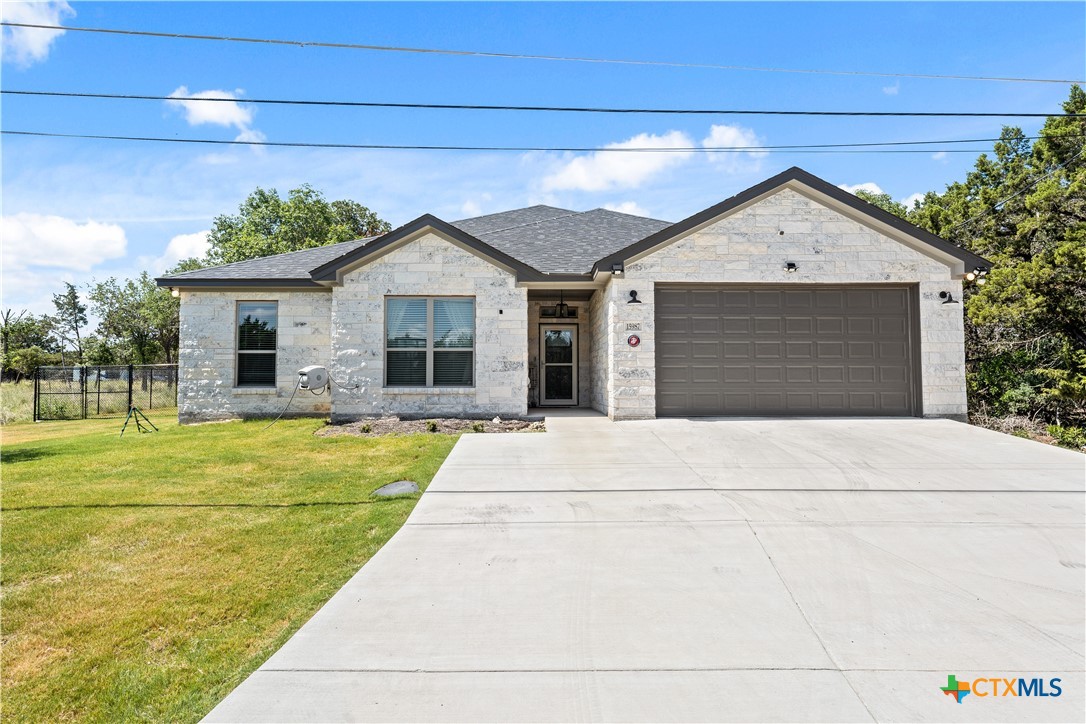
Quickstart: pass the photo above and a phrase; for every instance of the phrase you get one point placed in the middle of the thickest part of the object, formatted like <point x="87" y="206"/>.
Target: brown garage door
<point x="764" y="350"/>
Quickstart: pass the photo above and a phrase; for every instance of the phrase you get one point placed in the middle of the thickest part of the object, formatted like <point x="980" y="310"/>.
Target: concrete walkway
<point x="681" y="570"/>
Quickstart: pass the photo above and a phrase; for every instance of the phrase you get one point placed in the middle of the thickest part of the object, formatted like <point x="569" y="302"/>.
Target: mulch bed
<point x="445" y="425"/>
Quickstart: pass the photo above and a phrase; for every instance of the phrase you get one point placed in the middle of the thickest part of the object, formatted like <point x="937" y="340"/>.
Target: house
<point x="792" y="298"/>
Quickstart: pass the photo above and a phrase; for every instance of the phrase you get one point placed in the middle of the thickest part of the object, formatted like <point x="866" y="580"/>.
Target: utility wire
<point x="813" y="148"/>
<point x="548" y="109"/>
<point x="523" y="56"/>
<point x="1017" y="193"/>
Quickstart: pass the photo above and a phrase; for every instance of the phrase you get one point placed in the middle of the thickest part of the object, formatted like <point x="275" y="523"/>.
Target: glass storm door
<point x="559" y="357"/>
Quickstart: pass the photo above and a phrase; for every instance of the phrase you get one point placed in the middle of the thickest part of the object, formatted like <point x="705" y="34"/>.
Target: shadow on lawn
<point x="23" y="455"/>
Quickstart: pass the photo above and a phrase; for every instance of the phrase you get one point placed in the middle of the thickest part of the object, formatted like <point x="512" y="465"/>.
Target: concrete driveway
<point x="689" y="570"/>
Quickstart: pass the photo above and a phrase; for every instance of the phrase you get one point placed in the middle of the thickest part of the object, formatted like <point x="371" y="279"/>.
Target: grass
<point x="144" y="577"/>
<point x="16" y="401"/>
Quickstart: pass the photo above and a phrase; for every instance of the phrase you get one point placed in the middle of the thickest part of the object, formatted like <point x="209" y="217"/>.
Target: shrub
<point x="1072" y="437"/>
<point x="431" y="426"/>
<point x="478" y="427"/>
<point x="367" y="428"/>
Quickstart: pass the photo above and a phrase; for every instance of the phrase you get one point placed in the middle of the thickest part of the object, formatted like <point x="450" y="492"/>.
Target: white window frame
<point x="429" y="348"/>
<point x="238" y="351"/>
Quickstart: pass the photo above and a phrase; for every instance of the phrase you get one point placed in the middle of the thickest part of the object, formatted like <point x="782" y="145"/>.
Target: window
<point x="257" y="324"/>
<point x="429" y="342"/>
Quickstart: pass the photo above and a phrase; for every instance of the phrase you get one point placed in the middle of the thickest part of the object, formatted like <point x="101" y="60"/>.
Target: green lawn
<point x="145" y="577"/>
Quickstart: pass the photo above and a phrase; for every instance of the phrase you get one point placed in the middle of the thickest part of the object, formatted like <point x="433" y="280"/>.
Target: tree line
<point x="1023" y="207"/>
<point x="138" y="322"/>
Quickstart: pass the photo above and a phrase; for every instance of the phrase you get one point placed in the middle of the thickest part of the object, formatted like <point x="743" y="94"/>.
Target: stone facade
<point x="343" y="327"/>
<point x="600" y="344"/>
<point x="207" y="357"/>
<point x="748" y="247"/>
<point x="583" y="322"/>
<point x="429" y="266"/>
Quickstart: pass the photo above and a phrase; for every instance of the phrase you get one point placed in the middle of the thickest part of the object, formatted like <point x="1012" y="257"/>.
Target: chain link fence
<point x="76" y="393"/>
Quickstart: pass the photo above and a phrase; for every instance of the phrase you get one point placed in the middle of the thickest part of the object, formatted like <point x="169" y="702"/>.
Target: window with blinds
<point x="429" y="341"/>
<point x="257" y="325"/>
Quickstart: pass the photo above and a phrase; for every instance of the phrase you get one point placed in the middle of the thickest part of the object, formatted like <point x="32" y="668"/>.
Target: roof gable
<point x="821" y="191"/>
<point x="333" y="270"/>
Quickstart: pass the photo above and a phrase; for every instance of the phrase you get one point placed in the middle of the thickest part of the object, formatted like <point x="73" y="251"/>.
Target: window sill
<point x="255" y="390"/>
<point x="428" y="390"/>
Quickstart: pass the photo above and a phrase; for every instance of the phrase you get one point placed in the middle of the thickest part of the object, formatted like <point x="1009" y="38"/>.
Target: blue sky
<point x="78" y="210"/>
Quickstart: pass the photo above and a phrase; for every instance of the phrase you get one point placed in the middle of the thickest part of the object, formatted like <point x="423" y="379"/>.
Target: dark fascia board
<point x="795" y="173"/>
<point x="238" y="282"/>
<point x="329" y="270"/>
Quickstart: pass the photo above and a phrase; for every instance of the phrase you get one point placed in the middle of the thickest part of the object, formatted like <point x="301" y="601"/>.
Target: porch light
<point x="617" y="269"/>
<point x="561" y="309"/>
<point x="175" y="292"/>
<point x="791" y="267"/>
<point x="947" y="298"/>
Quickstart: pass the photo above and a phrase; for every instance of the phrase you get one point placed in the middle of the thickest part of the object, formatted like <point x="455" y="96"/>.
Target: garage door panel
<point x="780" y="351"/>
<point x="768" y="374"/>
<point x="861" y="325"/>
<point x="767" y="350"/>
<point x="806" y="373"/>
<point x="737" y="350"/>
<point x="798" y="350"/>
<point x="861" y="350"/>
<point x="700" y="325"/>
<point x="829" y="325"/>
<point x="798" y="325"/>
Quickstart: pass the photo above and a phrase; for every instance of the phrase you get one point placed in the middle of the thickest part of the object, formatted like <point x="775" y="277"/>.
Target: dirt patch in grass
<point x="446" y="425"/>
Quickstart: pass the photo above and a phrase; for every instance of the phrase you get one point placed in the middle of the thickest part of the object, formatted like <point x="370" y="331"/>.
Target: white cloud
<point x="628" y="207"/>
<point x="26" y="46"/>
<point x="182" y="246"/>
<point x="892" y="90"/>
<point x="870" y="187"/>
<point x="227" y="112"/>
<point x="939" y="156"/>
<point x="600" y="171"/>
<point x="54" y="241"/>
<point x="911" y="200"/>
<point x="724" y="136"/>
<point x="474" y="207"/>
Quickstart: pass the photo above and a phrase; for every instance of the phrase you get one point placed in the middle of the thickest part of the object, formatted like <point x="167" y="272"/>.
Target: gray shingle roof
<point x="291" y="265"/>
<point x="546" y="238"/>
<point x="562" y="242"/>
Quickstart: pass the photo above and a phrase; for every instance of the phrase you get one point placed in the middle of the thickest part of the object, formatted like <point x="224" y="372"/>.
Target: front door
<point x="558" y="354"/>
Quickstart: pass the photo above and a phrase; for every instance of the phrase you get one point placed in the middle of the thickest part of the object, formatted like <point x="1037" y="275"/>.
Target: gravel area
<point x="447" y="425"/>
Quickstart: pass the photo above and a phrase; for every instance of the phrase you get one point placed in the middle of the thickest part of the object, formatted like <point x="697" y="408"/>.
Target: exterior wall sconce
<point x="791" y="267"/>
<point x="947" y="298"/>
<point x="977" y="275"/>
<point x="633" y="298"/>
<point x="175" y="292"/>
<point x="618" y="269"/>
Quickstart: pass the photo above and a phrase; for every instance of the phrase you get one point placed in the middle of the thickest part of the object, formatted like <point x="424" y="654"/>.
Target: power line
<point x="810" y="148"/>
<point x="1018" y="193"/>
<point x="550" y="109"/>
<point x="523" y="56"/>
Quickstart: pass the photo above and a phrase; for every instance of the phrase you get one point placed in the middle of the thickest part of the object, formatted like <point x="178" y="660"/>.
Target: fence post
<point x="83" y="386"/>
<point x="130" y="368"/>
<point x="37" y="392"/>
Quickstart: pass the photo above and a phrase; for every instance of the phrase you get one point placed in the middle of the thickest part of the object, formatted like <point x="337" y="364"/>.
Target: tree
<point x="267" y="224"/>
<point x="137" y="316"/>
<point x="1024" y="208"/>
<point x="70" y="317"/>
<point x="21" y="331"/>
<point x="883" y="201"/>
